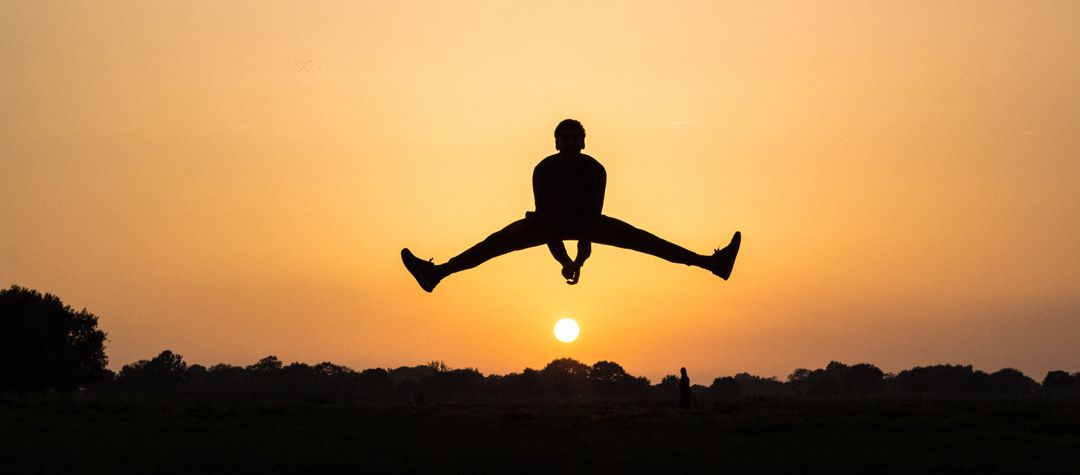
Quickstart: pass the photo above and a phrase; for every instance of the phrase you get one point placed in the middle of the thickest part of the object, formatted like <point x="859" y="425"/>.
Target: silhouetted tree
<point x="262" y="378"/>
<point x="799" y="375"/>
<point x="1059" y="381"/>
<point x="268" y="364"/>
<point x="166" y="372"/>
<point x="527" y="382"/>
<point x="864" y="378"/>
<point x="415" y="373"/>
<point x="634" y="385"/>
<point x="328" y="369"/>
<point x="819" y="382"/>
<point x="438" y="365"/>
<point x="374" y="382"/>
<point x="606" y="373"/>
<point x="666" y="388"/>
<point x="453" y="382"/>
<point x="836" y="371"/>
<point x="565" y="376"/>
<point x="943" y="380"/>
<point x="725" y="386"/>
<point x="44" y="344"/>
<point x="196" y="377"/>
<point x="297" y="380"/>
<point x="342" y="382"/>
<point x="610" y="379"/>
<point x="919" y="379"/>
<point x="1011" y="382"/>
<point x="750" y="385"/>
<point x="226" y="380"/>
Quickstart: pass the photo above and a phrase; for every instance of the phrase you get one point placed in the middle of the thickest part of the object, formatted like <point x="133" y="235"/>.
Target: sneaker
<point x="723" y="260"/>
<point x="423" y="271"/>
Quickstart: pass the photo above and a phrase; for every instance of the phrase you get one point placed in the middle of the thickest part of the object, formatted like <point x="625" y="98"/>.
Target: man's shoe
<point x="723" y="260"/>
<point x="423" y="271"/>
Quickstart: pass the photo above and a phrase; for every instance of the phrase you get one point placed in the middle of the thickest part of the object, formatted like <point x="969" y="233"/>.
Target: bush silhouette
<point x="1011" y="382"/>
<point x="1059" y="381"/>
<point x="963" y="380"/>
<point x="819" y="382"/>
<point x="725" y="386"/>
<point x="527" y="382"/>
<point x="164" y="373"/>
<point x="750" y="385"/>
<point x="416" y="373"/>
<point x="864" y="378"/>
<point x="45" y="345"/>
<point x="565" y="376"/>
<point x="608" y="378"/>
<point x="374" y="382"/>
<point x="606" y="373"/>
<point x="453" y="382"/>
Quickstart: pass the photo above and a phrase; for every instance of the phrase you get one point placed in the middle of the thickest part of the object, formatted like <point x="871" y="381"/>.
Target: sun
<point x="566" y="330"/>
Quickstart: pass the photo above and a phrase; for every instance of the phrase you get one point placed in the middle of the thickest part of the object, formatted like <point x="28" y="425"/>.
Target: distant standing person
<point x="685" y="394"/>
<point x="569" y="192"/>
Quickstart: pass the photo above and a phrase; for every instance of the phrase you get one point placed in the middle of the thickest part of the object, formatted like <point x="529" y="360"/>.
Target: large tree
<point x="44" y="344"/>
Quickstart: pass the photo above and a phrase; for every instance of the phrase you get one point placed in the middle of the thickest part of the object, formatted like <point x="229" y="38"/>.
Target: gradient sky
<point x="231" y="180"/>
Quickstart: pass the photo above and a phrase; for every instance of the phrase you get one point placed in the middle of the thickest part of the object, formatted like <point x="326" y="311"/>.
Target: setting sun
<point x="566" y="330"/>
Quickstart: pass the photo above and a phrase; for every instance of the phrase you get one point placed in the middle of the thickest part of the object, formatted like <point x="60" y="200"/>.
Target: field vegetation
<point x="63" y="411"/>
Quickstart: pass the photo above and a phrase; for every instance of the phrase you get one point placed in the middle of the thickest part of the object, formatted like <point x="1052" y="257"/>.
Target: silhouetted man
<point x="569" y="191"/>
<point x="685" y="394"/>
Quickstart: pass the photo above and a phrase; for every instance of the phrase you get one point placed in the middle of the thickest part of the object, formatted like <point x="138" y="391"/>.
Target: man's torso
<point x="569" y="190"/>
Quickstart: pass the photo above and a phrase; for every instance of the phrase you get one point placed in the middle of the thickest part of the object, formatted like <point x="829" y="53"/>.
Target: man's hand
<point x="572" y="272"/>
<point x="584" y="250"/>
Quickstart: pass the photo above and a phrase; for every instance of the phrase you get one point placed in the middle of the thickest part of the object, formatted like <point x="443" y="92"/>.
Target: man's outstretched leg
<point x="614" y="232"/>
<point x="521" y="234"/>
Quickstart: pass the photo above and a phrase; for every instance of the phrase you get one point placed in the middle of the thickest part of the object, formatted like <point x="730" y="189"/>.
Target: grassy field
<point x="1032" y="435"/>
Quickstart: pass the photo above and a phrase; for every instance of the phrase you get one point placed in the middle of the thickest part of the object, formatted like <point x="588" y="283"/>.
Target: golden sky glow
<point x="230" y="180"/>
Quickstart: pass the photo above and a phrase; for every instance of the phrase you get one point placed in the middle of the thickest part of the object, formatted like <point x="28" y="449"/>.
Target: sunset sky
<point x="230" y="180"/>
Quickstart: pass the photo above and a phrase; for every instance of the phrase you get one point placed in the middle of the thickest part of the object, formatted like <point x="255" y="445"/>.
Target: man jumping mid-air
<point x="569" y="192"/>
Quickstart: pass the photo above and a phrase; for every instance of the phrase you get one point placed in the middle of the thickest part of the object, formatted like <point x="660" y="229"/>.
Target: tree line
<point x="168" y="375"/>
<point x="46" y="346"/>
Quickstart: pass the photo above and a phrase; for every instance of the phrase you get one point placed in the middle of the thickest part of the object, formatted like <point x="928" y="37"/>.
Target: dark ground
<point x="878" y="435"/>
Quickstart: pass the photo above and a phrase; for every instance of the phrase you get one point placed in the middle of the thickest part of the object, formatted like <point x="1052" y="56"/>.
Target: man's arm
<point x="595" y="206"/>
<point x="558" y="251"/>
<point x="542" y="195"/>
<point x="584" y="250"/>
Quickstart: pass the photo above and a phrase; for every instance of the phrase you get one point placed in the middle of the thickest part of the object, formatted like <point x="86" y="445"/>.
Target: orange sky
<point x="230" y="180"/>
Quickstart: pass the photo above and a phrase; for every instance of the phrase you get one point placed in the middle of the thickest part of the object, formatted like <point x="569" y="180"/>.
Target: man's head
<point x="569" y="136"/>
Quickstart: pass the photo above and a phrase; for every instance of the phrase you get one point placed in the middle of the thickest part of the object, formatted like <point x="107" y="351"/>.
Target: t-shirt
<point x="569" y="190"/>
